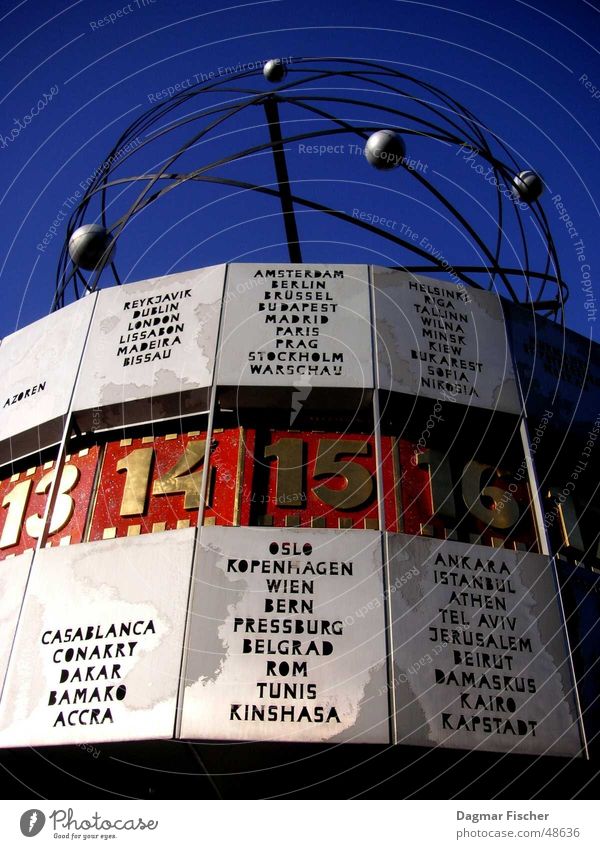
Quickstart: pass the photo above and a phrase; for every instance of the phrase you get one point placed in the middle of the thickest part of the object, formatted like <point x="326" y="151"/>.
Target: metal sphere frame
<point x="452" y="123"/>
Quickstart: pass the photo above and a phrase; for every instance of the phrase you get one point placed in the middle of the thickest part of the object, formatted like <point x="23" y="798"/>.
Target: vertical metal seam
<point x="382" y="516"/>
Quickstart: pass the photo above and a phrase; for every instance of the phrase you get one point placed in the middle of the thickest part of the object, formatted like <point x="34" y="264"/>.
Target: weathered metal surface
<point x="304" y="326"/>
<point x="289" y="652"/>
<point x="98" y="648"/>
<point x="151" y="349"/>
<point x="479" y="650"/>
<point x="443" y="341"/>
<point x="39" y="365"/>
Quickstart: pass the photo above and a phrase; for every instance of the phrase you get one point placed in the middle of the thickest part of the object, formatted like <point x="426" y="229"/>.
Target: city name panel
<point x="442" y="340"/>
<point x="39" y="366"/>
<point x="151" y="350"/>
<point x="482" y="649"/>
<point x="97" y="653"/>
<point x="297" y="326"/>
<point x="277" y="647"/>
<point x="287" y="503"/>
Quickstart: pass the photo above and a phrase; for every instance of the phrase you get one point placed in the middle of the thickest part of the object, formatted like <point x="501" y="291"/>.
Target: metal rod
<point x="302" y="91"/>
<point x="287" y="206"/>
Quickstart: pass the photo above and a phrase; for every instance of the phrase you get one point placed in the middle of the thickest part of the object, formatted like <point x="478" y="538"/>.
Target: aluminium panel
<point x="479" y="651"/>
<point x="39" y="365"/>
<point x="297" y="325"/>
<point x="287" y="637"/>
<point x="559" y="371"/>
<point x="13" y="580"/>
<point x="580" y="589"/>
<point x="151" y="350"/>
<point x="442" y="341"/>
<point x="98" y="649"/>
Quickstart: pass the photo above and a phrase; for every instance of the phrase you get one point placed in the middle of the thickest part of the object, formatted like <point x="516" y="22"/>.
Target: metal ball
<point x="528" y="186"/>
<point x="89" y="245"/>
<point x="274" y="71"/>
<point x="385" y="149"/>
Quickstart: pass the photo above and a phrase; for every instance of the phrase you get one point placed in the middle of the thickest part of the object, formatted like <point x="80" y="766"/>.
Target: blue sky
<point x="531" y="73"/>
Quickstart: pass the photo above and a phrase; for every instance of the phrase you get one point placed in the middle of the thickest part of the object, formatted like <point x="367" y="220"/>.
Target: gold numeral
<point x="63" y="507"/>
<point x="498" y="517"/>
<point x="16" y="501"/>
<point x="440" y="482"/>
<point x="289" y="453"/>
<point x="569" y="520"/>
<point x="137" y="465"/>
<point x="358" y="487"/>
<point x="359" y="484"/>
<point x="182" y="478"/>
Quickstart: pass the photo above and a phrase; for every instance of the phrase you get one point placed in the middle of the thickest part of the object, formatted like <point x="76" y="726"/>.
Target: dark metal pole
<point x="285" y="195"/>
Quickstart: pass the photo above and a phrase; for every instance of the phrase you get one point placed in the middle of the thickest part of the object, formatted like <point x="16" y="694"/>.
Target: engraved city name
<point x="91" y="705"/>
<point x="154" y="328"/>
<point x="298" y="309"/>
<point x="310" y="325"/>
<point x="24" y="393"/>
<point x="294" y="660"/>
<point x="495" y="674"/>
